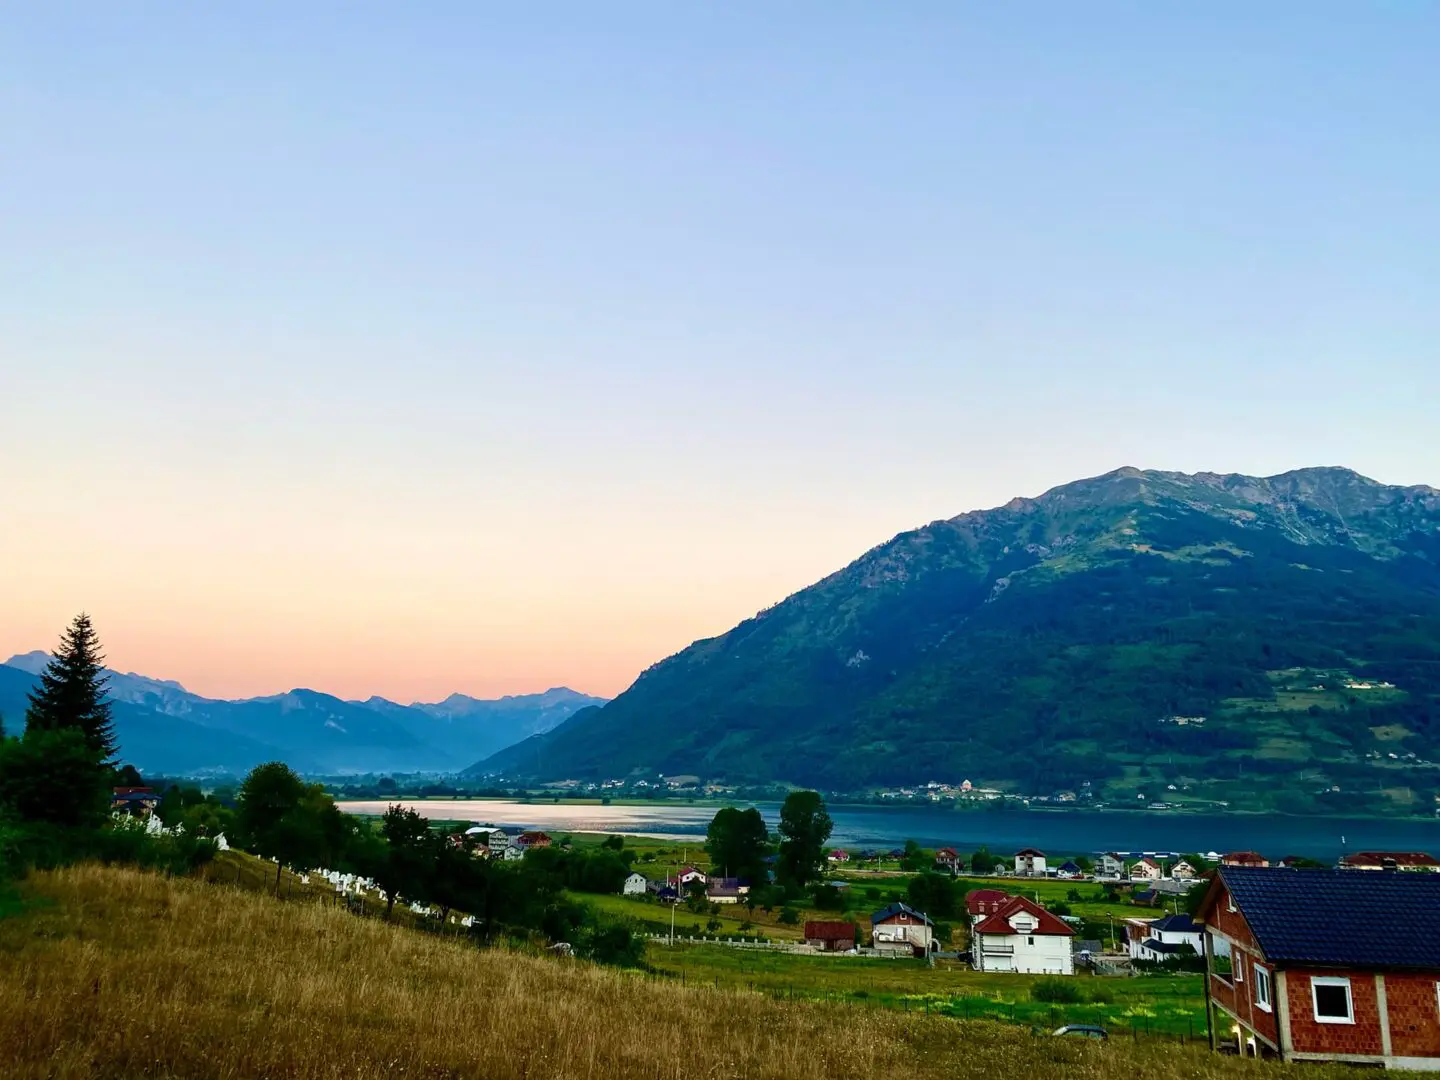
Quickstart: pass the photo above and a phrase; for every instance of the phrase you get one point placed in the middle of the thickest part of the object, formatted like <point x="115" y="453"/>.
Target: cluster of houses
<point x="673" y="889"/>
<point x="489" y="842"/>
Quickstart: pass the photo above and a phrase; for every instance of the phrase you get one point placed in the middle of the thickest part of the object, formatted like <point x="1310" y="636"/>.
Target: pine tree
<point x="72" y="691"/>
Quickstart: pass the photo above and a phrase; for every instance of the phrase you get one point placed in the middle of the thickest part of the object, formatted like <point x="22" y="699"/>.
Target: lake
<point x="1074" y="831"/>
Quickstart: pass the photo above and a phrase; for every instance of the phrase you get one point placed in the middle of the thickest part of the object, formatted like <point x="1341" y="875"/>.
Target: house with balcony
<point x="1030" y="862"/>
<point x="899" y="928"/>
<point x="1023" y="937"/>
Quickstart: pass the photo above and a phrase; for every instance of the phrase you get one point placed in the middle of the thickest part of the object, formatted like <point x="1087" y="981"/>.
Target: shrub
<point x="1057" y="992"/>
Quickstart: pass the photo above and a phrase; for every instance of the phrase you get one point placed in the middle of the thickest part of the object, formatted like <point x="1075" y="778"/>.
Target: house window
<point x="1029" y="941"/>
<point x="1220" y="963"/>
<point x="1262" y="989"/>
<point x="1331" y="997"/>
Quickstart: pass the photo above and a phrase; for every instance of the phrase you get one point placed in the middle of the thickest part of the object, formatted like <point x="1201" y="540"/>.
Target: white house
<point x="1181" y="870"/>
<point x="1022" y="936"/>
<point x="1160" y="939"/>
<point x="1110" y="867"/>
<point x="1146" y="869"/>
<point x="494" y="841"/>
<point x="634" y="885"/>
<point x="689" y="874"/>
<point x="1030" y="863"/>
<point x="899" y="928"/>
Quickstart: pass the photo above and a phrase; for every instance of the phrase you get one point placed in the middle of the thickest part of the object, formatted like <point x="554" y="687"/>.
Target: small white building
<point x="1030" y="863"/>
<point x="1181" y="870"/>
<point x="634" y="885"/>
<point x="1023" y="937"/>
<point x="1161" y="939"/>
<point x="689" y="874"/>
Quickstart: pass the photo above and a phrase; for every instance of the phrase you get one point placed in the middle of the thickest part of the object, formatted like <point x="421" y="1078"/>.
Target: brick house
<point x="1324" y="965"/>
<point x="533" y="839"/>
<point x="830" y="936"/>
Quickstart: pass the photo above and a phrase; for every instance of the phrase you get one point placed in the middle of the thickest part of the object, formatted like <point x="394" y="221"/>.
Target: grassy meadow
<point x="116" y="974"/>
<point x="1171" y="1006"/>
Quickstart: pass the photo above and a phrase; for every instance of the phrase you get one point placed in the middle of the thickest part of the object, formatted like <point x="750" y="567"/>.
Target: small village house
<point x="635" y="885"/>
<point x="1030" y="862"/>
<point x="135" y="801"/>
<point x="1181" y="870"/>
<point x="1109" y="867"/>
<point x="723" y="891"/>
<point x="1022" y="936"/>
<point x="1146" y="869"/>
<point x="1069" y="870"/>
<point x="1324" y="965"/>
<point x="839" y="856"/>
<point x="1244" y="858"/>
<point x="948" y="860"/>
<point x="1391" y="860"/>
<point x="1164" y="938"/>
<point x="899" y="928"/>
<point x="689" y="873"/>
<point x="532" y="839"/>
<point x="830" y="936"/>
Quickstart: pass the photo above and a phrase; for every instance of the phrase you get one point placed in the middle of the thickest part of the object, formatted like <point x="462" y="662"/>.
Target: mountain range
<point x="1140" y="635"/>
<point x="164" y="728"/>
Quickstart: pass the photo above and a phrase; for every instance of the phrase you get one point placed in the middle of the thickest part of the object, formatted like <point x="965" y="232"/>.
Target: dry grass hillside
<point x="119" y="974"/>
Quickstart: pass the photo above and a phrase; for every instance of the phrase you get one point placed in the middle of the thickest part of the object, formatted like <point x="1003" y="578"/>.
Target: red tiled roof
<point x="945" y="853"/>
<point x="830" y="931"/>
<point x="1047" y="923"/>
<point x="1400" y="858"/>
<point x="1244" y="858"/>
<point x="1029" y="851"/>
<point x="981" y="900"/>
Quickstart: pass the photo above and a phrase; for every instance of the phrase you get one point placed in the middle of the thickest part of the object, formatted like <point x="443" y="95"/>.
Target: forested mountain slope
<point x="1047" y="644"/>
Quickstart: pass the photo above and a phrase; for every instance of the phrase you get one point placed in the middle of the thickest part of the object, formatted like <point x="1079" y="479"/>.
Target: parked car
<point x="1084" y="1031"/>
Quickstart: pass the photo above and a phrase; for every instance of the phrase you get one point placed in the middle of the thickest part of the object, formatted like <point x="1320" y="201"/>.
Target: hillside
<point x="117" y="975"/>
<point x="164" y="728"/>
<point x="1043" y="646"/>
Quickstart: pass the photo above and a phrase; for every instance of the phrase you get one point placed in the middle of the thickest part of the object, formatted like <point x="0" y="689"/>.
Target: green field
<point x="1159" y="1005"/>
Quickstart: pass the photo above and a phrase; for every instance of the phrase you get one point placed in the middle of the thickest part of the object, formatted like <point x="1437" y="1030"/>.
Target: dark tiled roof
<point x="898" y="909"/>
<point x="1176" y="924"/>
<point x="1339" y="917"/>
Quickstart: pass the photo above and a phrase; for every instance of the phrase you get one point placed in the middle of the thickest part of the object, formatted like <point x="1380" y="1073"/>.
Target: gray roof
<point x="1344" y="918"/>
<point x="898" y="909"/>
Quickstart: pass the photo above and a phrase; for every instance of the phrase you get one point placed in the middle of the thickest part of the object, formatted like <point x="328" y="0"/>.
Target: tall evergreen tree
<point x="72" y="691"/>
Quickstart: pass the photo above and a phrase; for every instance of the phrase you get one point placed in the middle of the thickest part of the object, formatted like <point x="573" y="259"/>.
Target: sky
<point x="410" y="349"/>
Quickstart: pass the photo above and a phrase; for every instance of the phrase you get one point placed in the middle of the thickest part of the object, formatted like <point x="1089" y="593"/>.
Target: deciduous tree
<point x="805" y="826"/>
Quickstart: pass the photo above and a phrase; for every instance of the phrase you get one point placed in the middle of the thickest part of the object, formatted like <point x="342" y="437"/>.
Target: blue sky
<point x="459" y="346"/>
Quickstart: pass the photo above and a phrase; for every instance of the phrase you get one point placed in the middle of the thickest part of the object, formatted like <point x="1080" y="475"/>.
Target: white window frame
<point x="1237" y="962"/>
<point x="1264" y="981"/>
<point x="1332" y="980"/>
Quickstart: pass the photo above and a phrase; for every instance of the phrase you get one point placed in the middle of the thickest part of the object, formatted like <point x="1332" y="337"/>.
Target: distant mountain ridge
<point x="165" y="728"/>
<point x="1040" y="645"/>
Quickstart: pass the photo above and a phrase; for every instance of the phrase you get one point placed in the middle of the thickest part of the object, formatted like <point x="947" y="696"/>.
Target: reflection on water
<point x="888" y="827"/>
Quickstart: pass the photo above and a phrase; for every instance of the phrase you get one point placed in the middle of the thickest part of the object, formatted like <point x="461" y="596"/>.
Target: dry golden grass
<point x="113" y="973"/>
